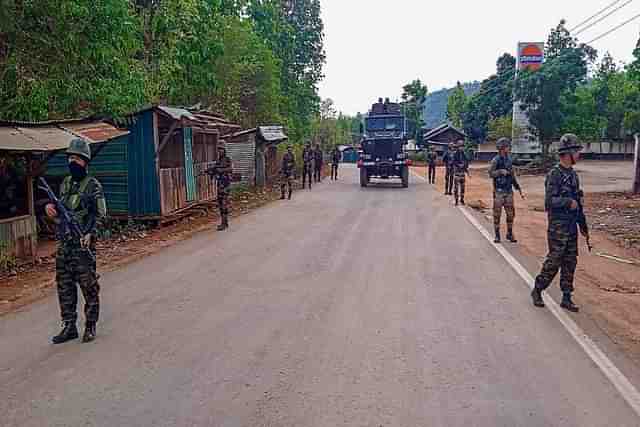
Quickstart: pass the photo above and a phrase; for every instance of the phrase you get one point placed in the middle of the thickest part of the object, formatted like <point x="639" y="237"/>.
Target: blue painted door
<point x="188" y="164"/>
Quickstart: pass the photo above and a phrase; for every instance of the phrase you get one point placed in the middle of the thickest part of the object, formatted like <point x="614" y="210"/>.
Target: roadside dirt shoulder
<point x="609" y="290"/>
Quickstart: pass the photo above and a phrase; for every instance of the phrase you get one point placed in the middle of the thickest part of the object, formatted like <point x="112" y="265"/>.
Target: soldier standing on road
<point x="287" y="171"/>
<point x="432" y="158"/>
<point x="460" y="171"/>
<point x="335" y="162"/>
<point x="448" y="164"/>
<point x="224" y="168"/>
<point x="318" y="157"/>
<point x="563" y="203"/>
<point x="504" y="181"/>
<point x="83" y="197"/>
<point x="308" y="157"/>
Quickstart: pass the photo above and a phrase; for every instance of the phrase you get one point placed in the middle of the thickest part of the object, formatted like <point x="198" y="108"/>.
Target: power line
<point x="615" y="28"/>
<point x="595" y="15"/>
<point x="603" y="18"/>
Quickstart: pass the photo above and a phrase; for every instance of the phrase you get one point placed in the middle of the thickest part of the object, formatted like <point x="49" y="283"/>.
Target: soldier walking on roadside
<point x="563" y="203"/>
<point x="308" y="157"/>
<point x="335" y="162"/>
<point x="286" y="172"/>
<point x="448" y="164"/>
<point x="83" y="197"/>
<point x="224" y="170"/>
<point x="432" y="158"/>
<point x="318" y="157"/>
<point x="460" y="172"/>
<point x="504" y="181"/>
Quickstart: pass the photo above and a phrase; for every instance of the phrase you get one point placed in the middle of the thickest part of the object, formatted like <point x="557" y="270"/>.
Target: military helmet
<point x="503" y="143"/>
<point x="79" y="147"/>
<point x="569" y="144"/>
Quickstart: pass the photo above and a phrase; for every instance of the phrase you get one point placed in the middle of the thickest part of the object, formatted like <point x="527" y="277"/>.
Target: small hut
<point x="25" y="151"/>
<point x="154" y="172"/>
<point x="254" y="153"/>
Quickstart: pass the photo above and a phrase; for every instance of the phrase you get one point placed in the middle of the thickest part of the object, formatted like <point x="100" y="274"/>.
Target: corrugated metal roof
<point x="177" y="113"/>
<point x="50" y="138"/>
<point x="272" y="133"/>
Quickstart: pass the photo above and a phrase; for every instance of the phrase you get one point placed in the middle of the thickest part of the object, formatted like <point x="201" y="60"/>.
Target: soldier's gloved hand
<point x="504" y="172"/>
<point x="573" y="205"/>
<point x="85" y="242"/>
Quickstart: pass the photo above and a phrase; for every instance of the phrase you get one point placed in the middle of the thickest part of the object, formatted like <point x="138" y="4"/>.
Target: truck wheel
<point x="364" y="177"/>
<point x="405" y="177"/>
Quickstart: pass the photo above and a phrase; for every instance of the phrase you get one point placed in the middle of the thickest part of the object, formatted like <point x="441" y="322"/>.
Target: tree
<point x="500" y="127"/>
<point x="456" y="105"/>
<point x="413" y="97"/>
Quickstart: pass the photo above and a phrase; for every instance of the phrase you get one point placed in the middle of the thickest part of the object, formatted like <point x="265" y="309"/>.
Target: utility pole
<point x="636" y="163"/>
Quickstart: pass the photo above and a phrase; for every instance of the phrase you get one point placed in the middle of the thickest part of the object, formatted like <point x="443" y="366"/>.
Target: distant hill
<point x="435" y="106"/>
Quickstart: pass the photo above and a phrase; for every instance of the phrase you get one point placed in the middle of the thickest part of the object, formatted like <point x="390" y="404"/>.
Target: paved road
<point x="343" y="307"/>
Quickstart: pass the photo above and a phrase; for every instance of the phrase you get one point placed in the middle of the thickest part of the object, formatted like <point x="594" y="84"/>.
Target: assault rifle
<point x="68" y="227"/>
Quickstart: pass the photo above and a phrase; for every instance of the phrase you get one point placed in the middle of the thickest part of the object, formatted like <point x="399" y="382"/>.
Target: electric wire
<point x="603" y="18"/>
<point x="617" y="27"/>
<point x="594" y="16"/>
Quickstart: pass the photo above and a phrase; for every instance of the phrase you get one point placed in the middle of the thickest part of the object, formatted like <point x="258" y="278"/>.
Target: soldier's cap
<point x="79" y="147"/>
<point x="569" y="144"/>
<point x="503" y="143"/>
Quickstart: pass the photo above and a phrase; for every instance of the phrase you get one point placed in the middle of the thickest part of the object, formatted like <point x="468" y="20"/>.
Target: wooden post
<point x="636" y="163"/>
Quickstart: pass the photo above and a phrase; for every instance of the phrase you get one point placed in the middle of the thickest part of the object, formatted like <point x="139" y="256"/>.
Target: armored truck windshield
<point x="377" y="124"/>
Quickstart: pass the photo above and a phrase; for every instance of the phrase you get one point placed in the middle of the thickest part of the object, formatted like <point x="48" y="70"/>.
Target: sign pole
<point x="636" y="164"/>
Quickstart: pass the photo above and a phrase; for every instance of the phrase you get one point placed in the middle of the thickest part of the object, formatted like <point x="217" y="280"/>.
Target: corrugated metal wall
<point x="109" y="166"/>
<point x="144" y="187"/>
<point x="243" y="156"/>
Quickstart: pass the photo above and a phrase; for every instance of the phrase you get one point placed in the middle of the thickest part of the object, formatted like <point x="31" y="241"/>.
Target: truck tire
<point x="364" y="177"/>
<point x="405" y="177"/>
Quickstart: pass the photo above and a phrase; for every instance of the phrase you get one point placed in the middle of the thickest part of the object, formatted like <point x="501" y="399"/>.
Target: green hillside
<point x="435" y="106"/>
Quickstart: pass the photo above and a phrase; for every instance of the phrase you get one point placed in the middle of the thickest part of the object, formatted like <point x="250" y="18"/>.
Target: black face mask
<point x="77" y="171"/>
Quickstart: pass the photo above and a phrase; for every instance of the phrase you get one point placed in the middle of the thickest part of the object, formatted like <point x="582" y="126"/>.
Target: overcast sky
<point x="374" y="47"/>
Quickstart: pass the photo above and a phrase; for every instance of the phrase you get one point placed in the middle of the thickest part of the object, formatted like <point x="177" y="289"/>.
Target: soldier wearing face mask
<point x="83" y="197"/>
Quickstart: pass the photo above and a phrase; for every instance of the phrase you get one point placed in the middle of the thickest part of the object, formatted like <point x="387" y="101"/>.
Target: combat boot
<point x="568" y="304"/>
<point x="462" y="201"/>
<point x="536" y="295"/>
<point x="497" y="239"/>
<point x="282" y="196"/>
<point x="510" y="236"/>
<point x="223" y="225"/>
<point x="69" y="332"/>
<point x="89" y="332"/>
<point x="456" y="201"/>
<point x="290" y="192"/>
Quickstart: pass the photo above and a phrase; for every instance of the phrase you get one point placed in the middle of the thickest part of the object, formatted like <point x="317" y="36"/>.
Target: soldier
<point x="504" y="181"/>
<point x="75" y="259"/>
<point x="460" y="171"/>
<point x="335" y="162"/>
<point x="224" y="170"/>
<point x="448" y="164"/>
<point x="307" y="165"/>
<point x="287" y="171"/>
<point x="432" y="158"/>
<point x="318" y="163"/>
<point x="563" y="203"/>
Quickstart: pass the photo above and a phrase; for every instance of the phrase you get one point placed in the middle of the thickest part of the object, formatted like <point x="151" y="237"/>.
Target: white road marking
<point x="608" y="368"/>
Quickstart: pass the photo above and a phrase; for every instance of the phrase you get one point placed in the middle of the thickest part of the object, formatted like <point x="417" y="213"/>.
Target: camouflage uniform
<point x="85" y="200"/>
<point x="335" y="162"/>
<point x="460" y="170"/>
<point x="286" y="173"/>
<point x="432" y="158"/>
<point x="318" y="157"/>
<point x="448" y="164"/>
<point x="223" y="186"/>
<point x="562" y="187"/>
<point x="503" y="186"/>
<point x="308" y="158"/>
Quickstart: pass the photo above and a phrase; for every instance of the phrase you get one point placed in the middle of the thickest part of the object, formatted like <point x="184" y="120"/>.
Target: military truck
<point x="383" y="140"/>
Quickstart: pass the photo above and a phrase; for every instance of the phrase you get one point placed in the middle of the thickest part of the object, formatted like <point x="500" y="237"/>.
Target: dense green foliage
<point x="435" y="104"/>
<point x="257" y="61"/>
<point x="413" y="97"/>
